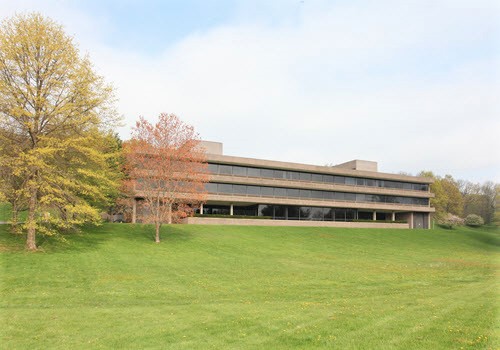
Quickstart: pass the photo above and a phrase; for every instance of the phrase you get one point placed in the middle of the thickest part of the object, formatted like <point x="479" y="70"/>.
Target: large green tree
<point x="55" y="113"/>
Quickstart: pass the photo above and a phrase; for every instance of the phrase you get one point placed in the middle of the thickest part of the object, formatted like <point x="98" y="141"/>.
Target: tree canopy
<point x="55" y="111"/>
<point x="167" y="168"/>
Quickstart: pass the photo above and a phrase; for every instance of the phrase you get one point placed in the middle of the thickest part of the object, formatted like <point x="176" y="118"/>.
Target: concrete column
<point x="429" y="221"/>
<point x="393" y="217"/>
<point x="134" y="211"/>
<point x="374" y="215"/>
<point x="411" y="220"/>
<point x="201" y="208"/>
<point x="231" y="209"/>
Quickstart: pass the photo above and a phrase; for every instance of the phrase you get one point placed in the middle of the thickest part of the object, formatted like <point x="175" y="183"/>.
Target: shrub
<point x="474" y="220"/>
<point x="451" y="221"/>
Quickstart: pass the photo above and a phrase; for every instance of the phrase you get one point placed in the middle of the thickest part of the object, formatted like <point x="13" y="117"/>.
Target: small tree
<point x="451" y="221"/>
<point x="474" y="220"/>
<point x="166" y="168"/>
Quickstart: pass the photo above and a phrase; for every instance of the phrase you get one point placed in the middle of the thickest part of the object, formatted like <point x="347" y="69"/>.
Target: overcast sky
<point x="414" y="85"/>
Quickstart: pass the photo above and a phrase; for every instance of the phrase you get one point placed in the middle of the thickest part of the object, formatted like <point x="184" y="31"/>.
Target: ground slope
<point x="213" y="287"/>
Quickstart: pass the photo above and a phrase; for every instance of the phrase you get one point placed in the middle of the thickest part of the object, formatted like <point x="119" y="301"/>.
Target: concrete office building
<point x="352" y="194"/>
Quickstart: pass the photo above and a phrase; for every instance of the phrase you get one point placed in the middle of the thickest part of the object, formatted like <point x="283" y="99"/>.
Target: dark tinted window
<point x="240" y="189"/>
<point x="305" y="176"/>
<point x="292" y="192"/>
<point x="224" y="188"/>
<point x="213" y="168"/>
<point x="267" y="191"/>
<point x="280" y="192"/>
<point x="317" y="177"/>
<point x="253" y="190"/>
<point x="305" y="194"/>
<point x="267" y="173"/>
<point x="279" y="174"/>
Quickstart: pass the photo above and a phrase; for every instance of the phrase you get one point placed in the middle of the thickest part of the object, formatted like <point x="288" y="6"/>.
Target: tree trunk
<point x="31" y="221"/>
<point x="169" y="213"/>
<point x="15" y="214"/>
<point x="157" y="238"/>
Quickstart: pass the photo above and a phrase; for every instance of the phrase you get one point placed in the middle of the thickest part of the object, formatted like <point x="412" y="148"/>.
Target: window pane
<point x="317" y="177"/>
<point x="213" y="168"/>
<point x="317" y="214"/>
<point x="292" y="175"/>
<point x="305" y="176"/>
<point x="211" y="187"/>
<point x="253" y="172"/>
<point x="293" y="213"/>
<point x="339" y="179"/>
<point x="266" y="191"/>
<point x="360" y="197"/>
<point x="292" y="192"/>
<point x="279" y="192"/>
<point x="267" y="173"/>
<point x="360" y="182"/>
<point x="350" y="181"/>
<point x="225" y="188"/>
<point x="253" y="190"/>
<point x="370" y="182"/>
<point x="279" y="174"/>
<point x="225" y="169"/>
<point x="279" y="212"/>
<point x="350" y="196"/>
<point x="339" y="196"/>
<point x="317" y="194"/>
<point x="239" y="171"/>
<point x="240" y="189"/>
<point x="305" y="194"/>
<point x="305" y="213"/>
<point x="327" y="195"/>
<point x="327" y="178"/>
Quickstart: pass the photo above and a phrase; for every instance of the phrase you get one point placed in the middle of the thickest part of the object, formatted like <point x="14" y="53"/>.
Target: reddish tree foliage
<point x="166" y="168"/>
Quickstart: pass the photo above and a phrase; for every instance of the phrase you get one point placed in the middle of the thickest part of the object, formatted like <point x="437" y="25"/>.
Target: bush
<point x="474" y="220"/>
<point x="451" y="221"/>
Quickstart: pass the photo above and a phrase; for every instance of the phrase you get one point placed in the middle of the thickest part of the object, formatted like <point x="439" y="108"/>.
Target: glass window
<point x="317" y="194"/>
<point x="328" y="178"/>
<point x="350" y="196"/>
<point x="338" y="196"/>
<point x="305" y="194"/>
<point x="266" y="210"/>
<point x="213" y="168"/>
<point x="239" y="170"/>
<point x="339" y="214"/>
<point x="304" y="213"/>
<point x="317" y="177"/>
<point x="360" y="197"/>
<point x="267" y="173"/>
<point x="279" y="174"/>
<point x="350" y="181"/>
<point x="253" y="172"/>
<point x="240" y="189"/>
<point x="293" y="213"/>
<point x="279" y="212"/>
<point x="370" y="182"/>
<point x="360" y="182"/>
<point x="211" y="187"/>
<point x="266" y="191"/>
<point x="225" y="169"/>
<point x="225" y="188"/>
<point x="253" y="190"/>
<point x="305" y="176"/>
<point x="279" y="192"/>
<point x="292" y="175"/>
<point x="350" y="214"/>
<point x="327" y="195"/>
<point x="328" y="214"/>
<point x="407" y="186"/>
<point x="317" y="214"/>
<point x="292" y="192"/>
<point x="339" y="179"/>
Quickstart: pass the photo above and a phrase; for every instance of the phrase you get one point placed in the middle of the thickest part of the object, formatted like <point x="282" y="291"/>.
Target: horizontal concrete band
<point x="267" y="222"/>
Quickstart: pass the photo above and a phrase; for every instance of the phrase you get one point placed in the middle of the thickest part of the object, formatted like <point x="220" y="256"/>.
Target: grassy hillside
<point x="213" y="287"/>
<point x="6" y="213"/>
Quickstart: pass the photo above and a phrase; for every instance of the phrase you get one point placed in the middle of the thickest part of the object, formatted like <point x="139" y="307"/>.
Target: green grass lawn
<point x="6" y="213"/>
<point x="213" y="287"/>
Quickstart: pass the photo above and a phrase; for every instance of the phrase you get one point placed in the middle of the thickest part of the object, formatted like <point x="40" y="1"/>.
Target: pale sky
<point x="413" y="85"/>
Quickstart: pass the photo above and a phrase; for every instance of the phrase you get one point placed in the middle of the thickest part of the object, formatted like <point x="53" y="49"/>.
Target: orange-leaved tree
<point x="166" y="169"/>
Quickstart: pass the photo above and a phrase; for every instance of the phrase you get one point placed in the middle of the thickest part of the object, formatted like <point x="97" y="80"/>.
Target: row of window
<point x="266" y="191"/>
<point x="288" y="212"/>
<point x="235" y="170"/>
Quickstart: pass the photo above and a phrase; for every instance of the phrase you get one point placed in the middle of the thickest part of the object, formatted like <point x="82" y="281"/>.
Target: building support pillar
<point x="231" y="209"/>
<point x="393" y="216"/>
<point x="429" y="221"/>
<point x="411" y="220"/>
<point x="134" y="211"/>
<point x="201" y="208"/>
<point x="374" y="216"/>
